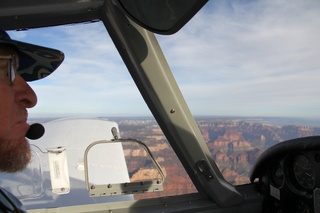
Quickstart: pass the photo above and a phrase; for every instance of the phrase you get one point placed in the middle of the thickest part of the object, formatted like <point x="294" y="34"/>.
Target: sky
<point x="234" y="58"/>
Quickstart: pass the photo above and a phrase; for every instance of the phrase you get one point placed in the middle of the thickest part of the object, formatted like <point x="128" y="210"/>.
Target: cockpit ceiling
<point x="24" y="14"/>
<point x="159" y="16"/>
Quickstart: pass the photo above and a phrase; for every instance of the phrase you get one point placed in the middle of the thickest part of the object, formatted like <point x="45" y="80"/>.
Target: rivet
<point x="172" y="111"/>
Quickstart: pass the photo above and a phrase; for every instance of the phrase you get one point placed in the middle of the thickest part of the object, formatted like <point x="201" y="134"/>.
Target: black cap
<point x="35" y="62"/>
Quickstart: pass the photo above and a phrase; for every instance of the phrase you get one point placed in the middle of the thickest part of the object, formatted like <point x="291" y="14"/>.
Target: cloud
<point x="92" y="80"/>
<point x="233" y="58"/>
<point x="249" y="55"/>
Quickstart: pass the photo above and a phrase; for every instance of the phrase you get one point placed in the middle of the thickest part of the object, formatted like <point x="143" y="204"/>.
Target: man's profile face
<point x="15" y="98"/>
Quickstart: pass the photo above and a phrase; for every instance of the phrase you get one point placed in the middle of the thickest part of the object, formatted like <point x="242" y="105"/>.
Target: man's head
<point x="19" y="62"/>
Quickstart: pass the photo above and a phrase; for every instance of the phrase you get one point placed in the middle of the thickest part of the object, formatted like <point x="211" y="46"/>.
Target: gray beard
<point x="15" y="155"/>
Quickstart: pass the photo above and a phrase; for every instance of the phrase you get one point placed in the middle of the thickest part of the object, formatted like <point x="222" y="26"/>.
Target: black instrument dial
<point x="304" y="172"/>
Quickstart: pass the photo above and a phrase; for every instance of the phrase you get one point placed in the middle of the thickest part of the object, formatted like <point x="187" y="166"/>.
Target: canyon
<point x="235" y="145"/>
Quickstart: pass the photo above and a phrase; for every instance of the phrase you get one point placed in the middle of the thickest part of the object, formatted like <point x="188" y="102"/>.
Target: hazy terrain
<point x="235" y="144"/>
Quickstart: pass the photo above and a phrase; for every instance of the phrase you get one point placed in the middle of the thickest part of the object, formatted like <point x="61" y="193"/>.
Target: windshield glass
<point x="248" y="70"/>
<point x="93" y="82"/>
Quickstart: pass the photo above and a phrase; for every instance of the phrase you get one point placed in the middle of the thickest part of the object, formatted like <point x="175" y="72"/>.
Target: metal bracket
<point x="123" y="188"/>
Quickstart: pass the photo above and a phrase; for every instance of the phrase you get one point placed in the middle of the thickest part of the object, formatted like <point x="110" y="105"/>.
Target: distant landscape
<point x="235" y="144"/>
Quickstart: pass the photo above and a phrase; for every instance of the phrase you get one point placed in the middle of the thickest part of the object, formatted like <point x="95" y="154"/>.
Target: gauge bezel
<point x="304" y="171"/>
<point x="293" y="173"/>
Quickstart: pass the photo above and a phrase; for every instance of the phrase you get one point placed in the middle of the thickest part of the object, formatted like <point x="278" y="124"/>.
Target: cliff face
<point x="235" y="146"/>
<point x="142" y="169"/>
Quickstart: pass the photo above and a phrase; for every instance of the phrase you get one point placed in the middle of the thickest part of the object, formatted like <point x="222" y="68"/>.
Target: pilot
<point x="19" y="63"/>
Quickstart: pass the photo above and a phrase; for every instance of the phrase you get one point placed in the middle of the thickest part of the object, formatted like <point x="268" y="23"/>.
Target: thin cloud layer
<point x="248" y="58"/>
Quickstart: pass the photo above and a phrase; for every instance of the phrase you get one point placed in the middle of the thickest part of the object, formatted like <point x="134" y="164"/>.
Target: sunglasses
<point x="11" y="72"/>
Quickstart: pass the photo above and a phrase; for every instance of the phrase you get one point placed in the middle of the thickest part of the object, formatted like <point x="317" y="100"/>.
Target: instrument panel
<point x="289" y="176"/>
<point x="298" y="171"/>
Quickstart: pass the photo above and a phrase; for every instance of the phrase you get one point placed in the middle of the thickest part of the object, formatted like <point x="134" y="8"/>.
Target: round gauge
<point x="304" y="172"/>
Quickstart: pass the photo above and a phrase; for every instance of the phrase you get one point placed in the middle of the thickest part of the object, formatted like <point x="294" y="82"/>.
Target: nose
<point x="24" y="94"/>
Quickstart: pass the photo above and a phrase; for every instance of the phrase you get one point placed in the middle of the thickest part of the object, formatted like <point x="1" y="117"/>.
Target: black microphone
<point x="35" y="131"/>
